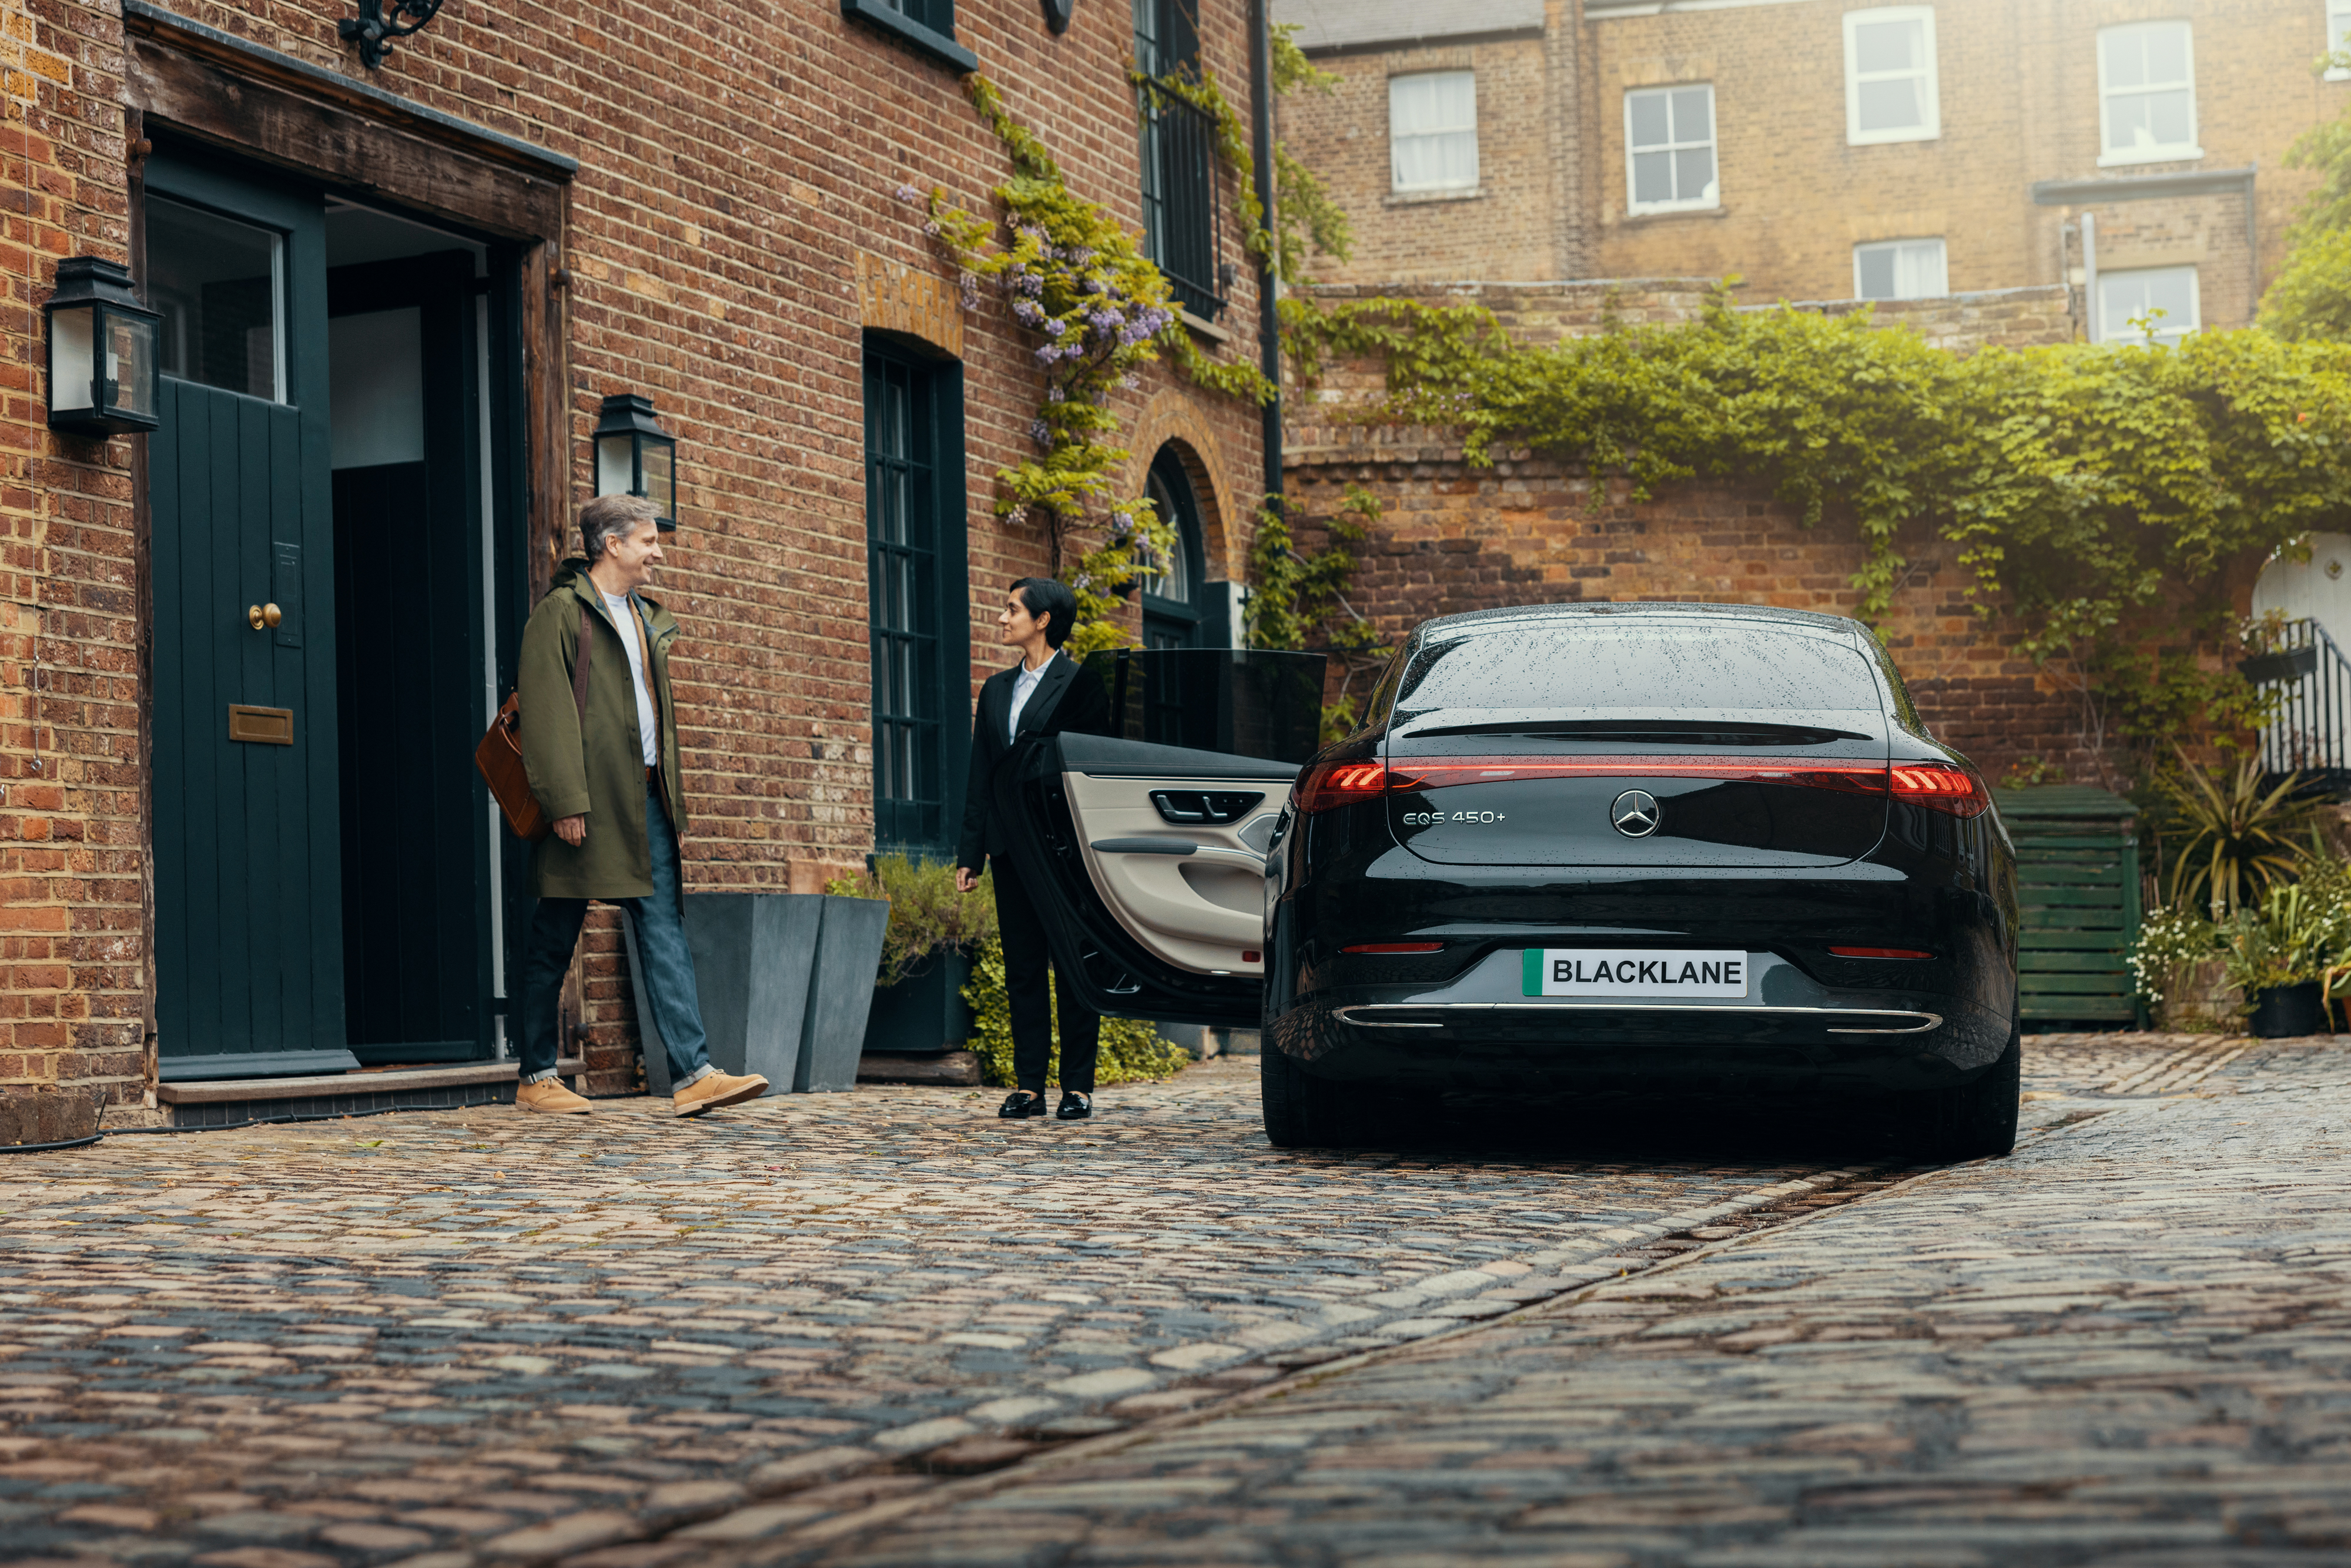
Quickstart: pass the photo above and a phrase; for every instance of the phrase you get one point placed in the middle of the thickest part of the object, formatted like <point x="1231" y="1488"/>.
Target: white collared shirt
<point x="1023" y="685"/>
<point x="625" y="621"/>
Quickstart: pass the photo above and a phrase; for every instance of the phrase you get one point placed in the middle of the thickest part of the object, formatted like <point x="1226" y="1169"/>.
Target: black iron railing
<point x="1183" y="191"/>
<point x="2310" y="730"/>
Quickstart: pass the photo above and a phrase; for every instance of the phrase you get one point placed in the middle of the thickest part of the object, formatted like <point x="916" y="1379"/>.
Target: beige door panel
<point x="1200" y="910"/>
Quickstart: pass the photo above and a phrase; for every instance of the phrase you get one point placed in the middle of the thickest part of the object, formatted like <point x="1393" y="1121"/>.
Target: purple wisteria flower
<point x="908" y="194"/>
<point x="1040" y="433"/>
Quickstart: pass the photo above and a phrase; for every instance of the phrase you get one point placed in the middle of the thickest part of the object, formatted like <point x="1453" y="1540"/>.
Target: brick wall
<point x="737" y="171"/>
<point x="72" y="993"/>
<point x="1529" y="530"/>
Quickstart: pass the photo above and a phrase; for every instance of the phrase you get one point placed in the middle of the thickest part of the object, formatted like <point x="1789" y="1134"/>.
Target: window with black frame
<point x="1183" y="180"/>
<point x="914" y="572"/>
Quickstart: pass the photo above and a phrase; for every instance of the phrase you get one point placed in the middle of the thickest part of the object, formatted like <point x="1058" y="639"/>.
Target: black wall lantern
<point x="635" y="456"/>
<point x="373" y="29"/>
<point x="101" y="344"/>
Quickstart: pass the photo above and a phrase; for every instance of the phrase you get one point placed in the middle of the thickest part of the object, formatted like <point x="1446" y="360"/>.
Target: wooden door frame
<point x="272" y="109"/>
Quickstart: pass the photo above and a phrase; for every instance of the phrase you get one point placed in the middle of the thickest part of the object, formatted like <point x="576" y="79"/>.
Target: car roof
<point x="1524" y="614"/>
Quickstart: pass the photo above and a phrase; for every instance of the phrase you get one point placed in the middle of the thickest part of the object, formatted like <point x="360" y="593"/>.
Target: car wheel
<point x="1976" y="1120"/>
<point x="1303" y="1112"/>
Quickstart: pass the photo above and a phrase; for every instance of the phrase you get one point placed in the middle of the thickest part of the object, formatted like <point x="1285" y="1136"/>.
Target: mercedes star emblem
<point x="1634" y="813"/>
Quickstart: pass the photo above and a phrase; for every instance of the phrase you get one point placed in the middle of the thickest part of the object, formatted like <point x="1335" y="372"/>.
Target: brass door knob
<point x="262" y="615"/>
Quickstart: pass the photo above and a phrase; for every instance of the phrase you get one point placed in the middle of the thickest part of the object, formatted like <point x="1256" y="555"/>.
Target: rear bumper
<point x="1790" y="1032"/>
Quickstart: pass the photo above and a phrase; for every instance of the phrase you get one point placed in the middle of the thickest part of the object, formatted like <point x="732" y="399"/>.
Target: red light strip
<point x="1817" y="773"/>
<point x="1395" y="947"/>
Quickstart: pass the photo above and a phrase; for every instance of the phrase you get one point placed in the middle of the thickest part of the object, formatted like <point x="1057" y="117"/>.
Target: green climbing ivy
<point x="1299" y="600"/>
<point x="1305" y="214"/>
<point x="2088" y="489"/>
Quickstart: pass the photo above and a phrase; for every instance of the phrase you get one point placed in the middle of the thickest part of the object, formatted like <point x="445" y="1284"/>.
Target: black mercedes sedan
<point x="1572" y="849"/>
<point x="1642" y="844"/>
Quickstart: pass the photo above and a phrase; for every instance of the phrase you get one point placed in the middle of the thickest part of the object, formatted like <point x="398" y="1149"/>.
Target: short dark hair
<point x="610" y="517"/>
<point x="1044" y="596"/>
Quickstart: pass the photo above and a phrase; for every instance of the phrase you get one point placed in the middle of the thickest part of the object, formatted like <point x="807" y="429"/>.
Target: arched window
<point x="1175" y="597"/>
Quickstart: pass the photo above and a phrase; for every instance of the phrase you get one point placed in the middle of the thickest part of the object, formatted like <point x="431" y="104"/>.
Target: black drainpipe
<point x="1268" y="316"/>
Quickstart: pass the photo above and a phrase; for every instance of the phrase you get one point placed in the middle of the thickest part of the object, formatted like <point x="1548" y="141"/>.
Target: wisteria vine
<point x="1069" y="273"/>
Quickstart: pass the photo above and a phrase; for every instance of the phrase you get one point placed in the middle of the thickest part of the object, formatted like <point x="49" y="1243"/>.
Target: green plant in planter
<point x="2238" y="838"/>
<point x="2296" y="935"/>
<point x="1131" y="1050"/>
<point x="927" y="916"/>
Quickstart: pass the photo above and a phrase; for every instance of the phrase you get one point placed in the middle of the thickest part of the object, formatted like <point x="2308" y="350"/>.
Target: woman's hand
<point x="572" y="829"/>
<point x="967" y="879"/>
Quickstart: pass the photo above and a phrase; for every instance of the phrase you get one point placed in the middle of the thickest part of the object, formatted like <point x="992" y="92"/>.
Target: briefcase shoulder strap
<point x="580" y="660"/>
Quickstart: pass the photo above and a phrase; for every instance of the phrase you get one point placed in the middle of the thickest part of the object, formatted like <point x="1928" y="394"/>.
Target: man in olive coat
<point x="607" y="777"/>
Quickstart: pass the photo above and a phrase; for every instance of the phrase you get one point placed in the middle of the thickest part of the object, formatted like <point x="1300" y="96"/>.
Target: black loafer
<point x="1021" y="1105"/>
<point x="1075" y="1107"/>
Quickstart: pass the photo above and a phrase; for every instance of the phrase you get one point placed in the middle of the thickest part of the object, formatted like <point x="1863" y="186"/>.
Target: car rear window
<point x="1620" y="664"/>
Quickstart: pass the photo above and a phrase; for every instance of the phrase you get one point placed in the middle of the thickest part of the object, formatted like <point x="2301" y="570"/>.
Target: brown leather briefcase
<point x="498" y="757"/>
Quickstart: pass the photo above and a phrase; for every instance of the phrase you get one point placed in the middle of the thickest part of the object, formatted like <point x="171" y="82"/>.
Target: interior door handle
<point x="1144" y="847"/>
<point x="1171" y="847"/>
<point x="262" y="616"/>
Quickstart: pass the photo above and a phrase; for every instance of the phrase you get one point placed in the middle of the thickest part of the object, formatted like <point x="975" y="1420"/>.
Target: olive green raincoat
<point x="603" y="776"/>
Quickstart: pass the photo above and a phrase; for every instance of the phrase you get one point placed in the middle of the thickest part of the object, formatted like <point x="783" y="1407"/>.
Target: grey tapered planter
<point x="841" y="993"/>
<point x="753" y="956"/>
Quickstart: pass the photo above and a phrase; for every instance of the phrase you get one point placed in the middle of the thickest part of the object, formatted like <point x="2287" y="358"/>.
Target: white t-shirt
<point x="1023" y="685"/>
<point x="624" y="617"/>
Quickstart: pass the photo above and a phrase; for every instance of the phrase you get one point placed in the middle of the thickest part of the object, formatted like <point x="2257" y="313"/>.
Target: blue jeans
<point x="662" y="953"/>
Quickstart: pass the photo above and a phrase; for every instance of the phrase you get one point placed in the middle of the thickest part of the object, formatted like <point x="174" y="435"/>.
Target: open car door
<point x="1143" y="850"/>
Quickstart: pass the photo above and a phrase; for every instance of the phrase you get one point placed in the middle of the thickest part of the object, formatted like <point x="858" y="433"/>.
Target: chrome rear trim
<point x="1360" y="1015"/>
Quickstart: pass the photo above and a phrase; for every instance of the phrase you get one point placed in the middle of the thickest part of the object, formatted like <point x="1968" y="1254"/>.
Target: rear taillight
<point x="1815" y="773"/>
<point x="1395" y="948"/>
<point x="1880" y="953"/>
<point x="1329" y="784"/>
<point x="1941" y="786"/>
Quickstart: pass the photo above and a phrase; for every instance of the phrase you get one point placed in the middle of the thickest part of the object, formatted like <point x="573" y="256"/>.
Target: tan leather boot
<point x="719" y="1089"/>
<point x="550" y="1096"/>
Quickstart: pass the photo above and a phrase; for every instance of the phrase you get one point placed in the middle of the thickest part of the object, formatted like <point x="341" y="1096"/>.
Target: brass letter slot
<point x="263" y="726"/>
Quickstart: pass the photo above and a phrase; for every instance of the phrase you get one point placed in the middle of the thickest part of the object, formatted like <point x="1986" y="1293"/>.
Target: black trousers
<point x="1025" y="963"/>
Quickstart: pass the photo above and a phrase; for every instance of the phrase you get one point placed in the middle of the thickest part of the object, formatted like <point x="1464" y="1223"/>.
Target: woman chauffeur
<point x="1045" y="694"/>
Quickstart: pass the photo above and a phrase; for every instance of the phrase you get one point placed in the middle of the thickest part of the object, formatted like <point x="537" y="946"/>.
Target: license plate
<point x="1625" y="972"/>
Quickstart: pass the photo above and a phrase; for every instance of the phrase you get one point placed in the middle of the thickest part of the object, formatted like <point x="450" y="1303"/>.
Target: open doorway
<point x="416" y="623"/>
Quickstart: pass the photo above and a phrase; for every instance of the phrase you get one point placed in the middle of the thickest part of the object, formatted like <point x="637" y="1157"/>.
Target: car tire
<point x="1303" y="1112"/>
<point x="1975" y="1120"/>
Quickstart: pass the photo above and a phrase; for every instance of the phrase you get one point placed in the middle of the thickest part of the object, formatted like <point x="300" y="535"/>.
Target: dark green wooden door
<point x="248" y="959"/>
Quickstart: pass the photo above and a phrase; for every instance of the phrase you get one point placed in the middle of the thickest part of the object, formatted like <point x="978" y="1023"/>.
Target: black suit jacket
<point x="1067" y="700"/>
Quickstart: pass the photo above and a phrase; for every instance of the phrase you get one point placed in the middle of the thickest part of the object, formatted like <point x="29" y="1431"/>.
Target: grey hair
<point x="610" y="517"/>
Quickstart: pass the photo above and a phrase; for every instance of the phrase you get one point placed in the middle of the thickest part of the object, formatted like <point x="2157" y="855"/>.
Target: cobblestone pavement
<point x="2126" y="1343"/>
<point x="623" y="1339"/>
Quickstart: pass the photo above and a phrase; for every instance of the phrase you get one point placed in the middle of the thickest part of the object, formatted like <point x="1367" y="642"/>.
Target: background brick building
<point x="1829" y="150"/>
<point x="692" y="205"/>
